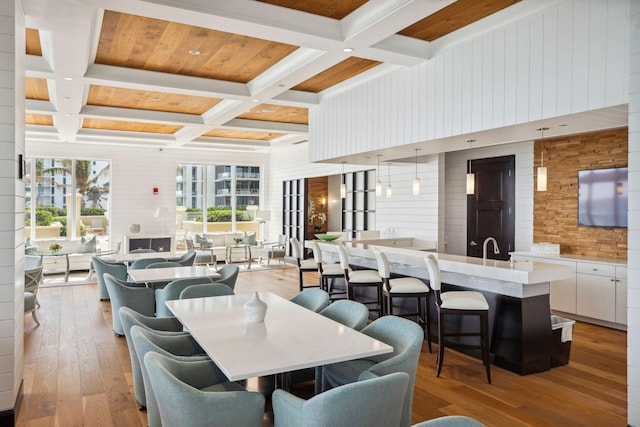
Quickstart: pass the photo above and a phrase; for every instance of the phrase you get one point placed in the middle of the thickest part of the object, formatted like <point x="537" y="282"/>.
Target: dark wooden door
<point x="491" y="209"/>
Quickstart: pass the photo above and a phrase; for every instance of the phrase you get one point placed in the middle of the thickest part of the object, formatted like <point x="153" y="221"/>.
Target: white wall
<point x="456" y="198"/>
<point x="567" y="59"/>
<point x="11" y="203"/>
<point x="633" y="279"/>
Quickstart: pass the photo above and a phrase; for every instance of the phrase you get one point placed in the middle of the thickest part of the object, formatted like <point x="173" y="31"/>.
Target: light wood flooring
<point x="77" y="372"/>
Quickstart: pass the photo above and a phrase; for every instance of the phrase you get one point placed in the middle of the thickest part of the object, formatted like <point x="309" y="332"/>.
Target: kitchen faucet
<point x="496" y="250"/>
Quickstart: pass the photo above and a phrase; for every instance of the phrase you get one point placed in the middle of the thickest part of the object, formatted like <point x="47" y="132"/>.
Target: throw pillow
<point x="249" y="238"/>
<point x="87" y="245"/>
<point x="30" y="248"/>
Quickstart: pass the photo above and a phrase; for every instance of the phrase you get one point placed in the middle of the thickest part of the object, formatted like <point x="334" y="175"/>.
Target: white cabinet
<point x="596" y="295"/>
<point x="621" y="295"/>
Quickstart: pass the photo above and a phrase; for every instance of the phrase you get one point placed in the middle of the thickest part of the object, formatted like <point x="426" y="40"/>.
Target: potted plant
<point x="238" y="240"/>
<point x="55" y="248"/>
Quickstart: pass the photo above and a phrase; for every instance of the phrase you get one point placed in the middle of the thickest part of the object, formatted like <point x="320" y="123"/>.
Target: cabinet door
<point x="563" y="295"/>
<point x="596" y="297"/>
<point x="621" y="295"/>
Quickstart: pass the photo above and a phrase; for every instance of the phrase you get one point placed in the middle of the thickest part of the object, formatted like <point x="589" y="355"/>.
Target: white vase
<point x="255" y="309"/>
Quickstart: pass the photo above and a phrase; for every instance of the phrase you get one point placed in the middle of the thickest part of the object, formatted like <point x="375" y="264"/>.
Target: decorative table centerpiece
<point x="238" y="240"/>
<point x="55" y="248"/>
<point x="255" y="309"/>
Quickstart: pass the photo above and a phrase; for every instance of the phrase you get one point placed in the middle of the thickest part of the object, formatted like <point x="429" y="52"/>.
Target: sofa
<point x="79" y="250"/>
<point x="216" y="243"/>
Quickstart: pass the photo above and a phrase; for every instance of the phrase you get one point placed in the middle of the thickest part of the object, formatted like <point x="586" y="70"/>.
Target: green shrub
<point x="91" y="211"/>
<point x="193" y="210"/>
<point x="43" y="217"/>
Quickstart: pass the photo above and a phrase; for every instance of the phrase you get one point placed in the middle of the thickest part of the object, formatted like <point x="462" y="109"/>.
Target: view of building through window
<point x="67" y="199"/>
<point x="231" y="195"/>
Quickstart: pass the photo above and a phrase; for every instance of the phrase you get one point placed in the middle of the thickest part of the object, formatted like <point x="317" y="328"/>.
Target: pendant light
<point x="379" y="181"/>
<point x="389" y="190"/>
<point x="471" y="177"/>
<point x="416" y="180"/>
<point x="542" y="170"/>
<point x="343" y="186"/>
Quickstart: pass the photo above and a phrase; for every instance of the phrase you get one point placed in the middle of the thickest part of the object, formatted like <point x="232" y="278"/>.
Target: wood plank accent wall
<point x="556" y="210"/>
<point x="318" y="188"/>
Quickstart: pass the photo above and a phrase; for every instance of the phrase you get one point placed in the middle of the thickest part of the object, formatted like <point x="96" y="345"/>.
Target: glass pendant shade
<point x="378" y="188"/>
<point x="542" y="178"/>
<point x="389" y="190"/>
<point x="471" y="183"/>
<point x="343" y="191"/>
<point x="416" y="186"/>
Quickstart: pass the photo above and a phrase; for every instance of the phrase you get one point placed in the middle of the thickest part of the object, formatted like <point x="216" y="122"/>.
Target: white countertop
<point x="573" y="257"/>
<point x="518" y="279"/>
<point x="290" y="338"/>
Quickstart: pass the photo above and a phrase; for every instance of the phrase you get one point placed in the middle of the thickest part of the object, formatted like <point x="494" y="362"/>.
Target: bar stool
<point x="361" y="279"/>
<point x="459" y="303"/>
<point x="405" y="287"/>
<point x="304" y="265"/>
<point x="328" y="273"/>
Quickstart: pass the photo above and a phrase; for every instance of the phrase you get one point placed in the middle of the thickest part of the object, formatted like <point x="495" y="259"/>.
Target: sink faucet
<point x="496" y="250"/>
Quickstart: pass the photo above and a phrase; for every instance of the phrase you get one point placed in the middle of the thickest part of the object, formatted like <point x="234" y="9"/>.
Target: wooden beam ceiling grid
<point x="32" y="42"/>
<point x="340" y="72"/>
<point x="331" y="9"/>
<point x="38" y="119"/>
<point x="243" y="134"/>
<point x="117" y="125"/>
<point x="35" y="88"/>
<point x="277" y="113"/>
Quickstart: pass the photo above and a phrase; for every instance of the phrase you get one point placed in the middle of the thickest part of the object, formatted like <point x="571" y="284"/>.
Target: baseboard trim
<point x="8" y="417"/>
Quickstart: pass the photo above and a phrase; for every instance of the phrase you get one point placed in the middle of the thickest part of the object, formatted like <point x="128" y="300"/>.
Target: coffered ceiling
<point x="236" y="74"/>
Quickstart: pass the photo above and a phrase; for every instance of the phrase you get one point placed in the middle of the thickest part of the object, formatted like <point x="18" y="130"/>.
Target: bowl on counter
<point x="328" y="237"/>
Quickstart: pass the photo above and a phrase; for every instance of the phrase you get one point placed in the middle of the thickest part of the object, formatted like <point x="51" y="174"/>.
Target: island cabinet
<point x="597" y="293"/>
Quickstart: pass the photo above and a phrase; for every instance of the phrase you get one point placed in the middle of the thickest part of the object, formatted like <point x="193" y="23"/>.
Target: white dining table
<point x="290" y="338"/>
<point x="151" y="275"/>
<point x="129" y="258"/>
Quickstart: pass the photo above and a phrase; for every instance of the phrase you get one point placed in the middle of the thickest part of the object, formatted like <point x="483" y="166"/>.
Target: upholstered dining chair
<point x="187" y="259"/>
<point x="202" y="291"/>
<point x="459" y="303"/>
<point x="172" y="292"/>
<point x="141" y="251"/>
<point x="328" y="273"/>
<point x="373" y="401"/>
<point x="124" y="294"/>
<point x="304" y="265"/>
<point x="228" y="275"/>
<point x="406" y="339"/>
<point x="164" y="264"/>
<point x="450" y="421"/>
<point x="33" y="270"/>
<point x="144" y="262"/>
<point x="312" y="299"/>
<point x="116" y="269"/>
<point x="352" y="314"/>
<point x="356" y="279"/>
<point x="163" y="325"/>
<point x="176" y="346"/>
<point x="197" y="394"/>
<point x="405" y="287"/>
<point x="276" y="250"/>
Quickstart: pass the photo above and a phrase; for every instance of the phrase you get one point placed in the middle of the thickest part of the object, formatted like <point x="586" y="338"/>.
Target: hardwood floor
<point x="77" y="372"/>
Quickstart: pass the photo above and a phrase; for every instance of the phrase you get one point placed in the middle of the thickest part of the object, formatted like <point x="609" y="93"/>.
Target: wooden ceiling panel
<point x="118" y="125"/>
<point x="33" y="46"/>
<point x="336" y="9"/>
<point x="338" y="73"/>
<point x="454" y="17"/>
<point x="277" y="113"/>
<point x="243" y="134"/>
<point x="152" y="44"/>
<point x="38" y="119"/>
<point x="35" y="88"/>
<point x="149" y="100"/>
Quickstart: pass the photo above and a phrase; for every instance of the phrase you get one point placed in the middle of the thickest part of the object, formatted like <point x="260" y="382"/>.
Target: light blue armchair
<point x="202" y="291"/>
<point x="370" y="402"/>
<point x="180" y="347"/>
<point x="187" y="259"/>
<point x="162" y="325"/>
<point x="197" y="394"/>
<point x="172" y="292"/>
<point x="123" y="294"/>
<point x="406" y="339"/>
<point x="312" y="299"/>
<point x="116" y="269"/>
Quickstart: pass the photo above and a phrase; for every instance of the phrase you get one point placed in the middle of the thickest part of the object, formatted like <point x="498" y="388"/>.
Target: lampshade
<point x="471" y="183"/>
<point x="416" y="186"/>
<point x="343" y="191"/>
<point x="263" y="215"/>
<point x="378" y="188"/>
<point x="389" y="190"/>
<point x="542" y="178"/>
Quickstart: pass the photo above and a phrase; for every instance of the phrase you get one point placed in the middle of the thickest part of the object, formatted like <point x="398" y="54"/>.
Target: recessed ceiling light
<point x="194" y="52"/>
<point x="68" y="78"/>
<point x="268" y="110"/>
<point x="67" y="115"/>
<point x="255" y="100"/>
<point x="155" y="99"/>
<point x="347" y="49"/>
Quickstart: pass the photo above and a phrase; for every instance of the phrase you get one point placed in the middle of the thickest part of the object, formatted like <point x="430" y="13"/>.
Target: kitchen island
<point x="517" y="293"/>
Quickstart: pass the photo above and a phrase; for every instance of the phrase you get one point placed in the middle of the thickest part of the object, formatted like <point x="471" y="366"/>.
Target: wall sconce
<point x="323" y="203"/>
<point x="343" y="186"/>
<point x="416" y="180"/>
<point x="471" y="177"/>
<point x="389" y="189"/>
<point x="379" y="181"/>
<point x="542" y="170"/>
<point x="619" y="189"/>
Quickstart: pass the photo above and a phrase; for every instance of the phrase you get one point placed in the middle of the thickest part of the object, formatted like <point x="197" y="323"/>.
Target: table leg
<point x="66" y="273"/>
<point x="248" y="249"/>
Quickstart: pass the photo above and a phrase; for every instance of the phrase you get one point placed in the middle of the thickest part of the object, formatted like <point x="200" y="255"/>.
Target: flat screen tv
<point x="603" y="197"/>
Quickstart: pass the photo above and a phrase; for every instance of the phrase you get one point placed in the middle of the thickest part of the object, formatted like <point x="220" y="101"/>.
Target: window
<point x="231" y="195"/>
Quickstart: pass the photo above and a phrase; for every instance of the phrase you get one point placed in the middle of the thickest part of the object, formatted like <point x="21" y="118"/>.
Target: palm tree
<point x="83" y="179"/>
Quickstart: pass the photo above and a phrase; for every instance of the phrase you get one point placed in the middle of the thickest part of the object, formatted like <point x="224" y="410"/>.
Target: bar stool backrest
<point x="383" y="264"/>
